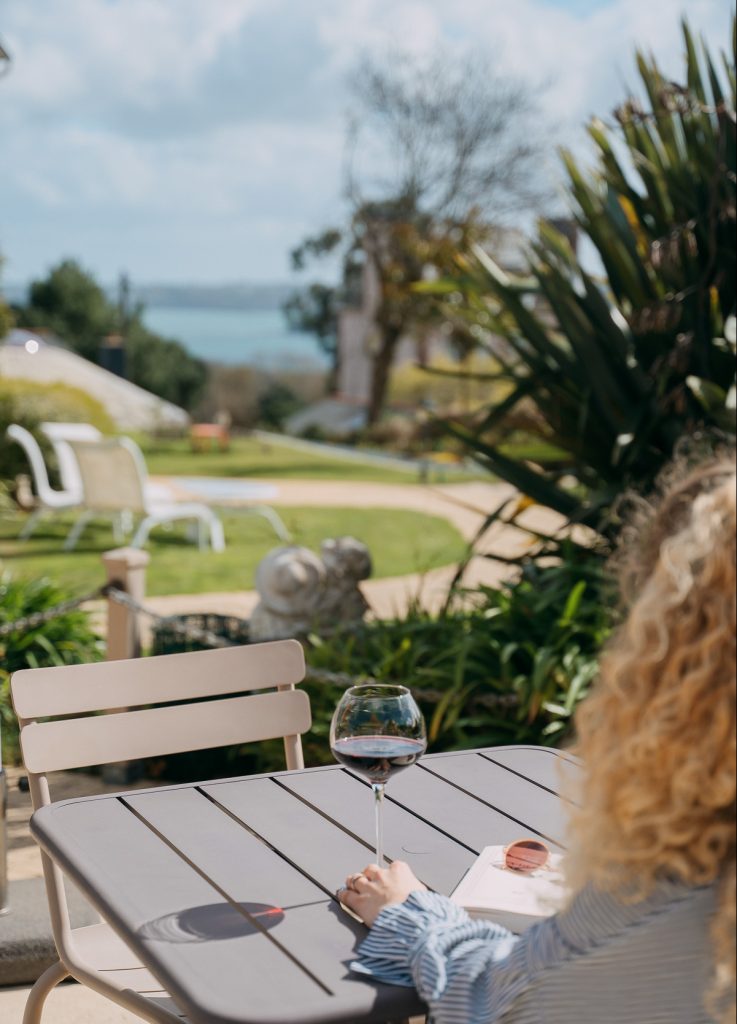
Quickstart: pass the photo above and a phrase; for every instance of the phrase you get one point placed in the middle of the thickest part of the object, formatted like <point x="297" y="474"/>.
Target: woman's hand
<point x="368" y="893"/>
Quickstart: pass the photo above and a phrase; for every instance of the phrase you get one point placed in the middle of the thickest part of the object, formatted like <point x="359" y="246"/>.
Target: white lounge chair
<point x="113" y="474"/>
<point x="49" y="499"/>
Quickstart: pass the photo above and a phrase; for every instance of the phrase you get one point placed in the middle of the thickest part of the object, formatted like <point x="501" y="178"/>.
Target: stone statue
<point x="299" y="591"/>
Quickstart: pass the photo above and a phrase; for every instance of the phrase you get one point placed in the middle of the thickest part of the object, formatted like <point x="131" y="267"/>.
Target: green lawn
<point x="400" y="542"/>
<point x="249" y="457"/>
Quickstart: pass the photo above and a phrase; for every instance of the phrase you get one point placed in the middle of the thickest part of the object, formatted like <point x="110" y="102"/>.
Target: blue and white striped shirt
<point x="598" y="962"/>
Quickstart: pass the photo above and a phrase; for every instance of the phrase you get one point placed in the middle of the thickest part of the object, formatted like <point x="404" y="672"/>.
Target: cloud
<point x="148" y="122"/>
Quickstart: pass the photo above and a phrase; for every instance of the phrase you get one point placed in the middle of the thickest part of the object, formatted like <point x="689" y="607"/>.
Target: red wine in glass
<point x="377" y="731"/>
<point x="377" y="757"/>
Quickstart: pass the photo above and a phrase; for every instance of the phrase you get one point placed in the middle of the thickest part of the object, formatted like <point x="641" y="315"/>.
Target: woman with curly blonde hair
<point x="649" y="934"/>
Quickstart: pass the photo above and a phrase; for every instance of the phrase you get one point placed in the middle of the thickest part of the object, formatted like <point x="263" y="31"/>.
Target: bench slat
<point x="130" y="735"/>
<point x="77" y="689"/>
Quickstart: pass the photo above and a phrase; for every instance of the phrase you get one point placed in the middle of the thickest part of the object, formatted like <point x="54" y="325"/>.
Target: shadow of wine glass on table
<point x="214" y="922"/>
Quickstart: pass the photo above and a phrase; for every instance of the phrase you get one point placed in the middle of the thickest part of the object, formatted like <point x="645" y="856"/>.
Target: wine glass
<point x="377" y="730"/>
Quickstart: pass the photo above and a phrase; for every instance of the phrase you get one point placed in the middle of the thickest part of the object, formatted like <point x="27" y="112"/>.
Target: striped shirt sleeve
<point x="465" y="970"/>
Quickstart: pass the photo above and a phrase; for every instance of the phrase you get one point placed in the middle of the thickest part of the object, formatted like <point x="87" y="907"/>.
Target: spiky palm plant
<point x="619" y="367"/>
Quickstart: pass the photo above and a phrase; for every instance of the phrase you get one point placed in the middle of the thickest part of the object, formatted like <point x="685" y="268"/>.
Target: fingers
<point x="373" y="873"/>
<point x="345" y="896"/>
<point x="358" y="886"/>
<point x="399" y="865"/>
<point x="352" y="901"/>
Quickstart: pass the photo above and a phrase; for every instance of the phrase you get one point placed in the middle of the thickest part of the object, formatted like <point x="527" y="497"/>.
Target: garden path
<point x="464" y="504"/>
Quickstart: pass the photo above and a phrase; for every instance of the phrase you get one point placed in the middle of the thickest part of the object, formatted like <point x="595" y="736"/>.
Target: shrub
<point x="66" y="640"/>
<point x="164" y="366"/>
<point x="6" y="319"/>
<point x="276" y="403"/>
<point x="28" y="403"/>
<point x="60" y="402"/>
<point x="509" y="670"/>
<point x="447" y="386"/>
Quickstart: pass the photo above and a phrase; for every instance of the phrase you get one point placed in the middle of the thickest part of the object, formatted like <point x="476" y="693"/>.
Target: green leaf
<point x="573" y="603"/>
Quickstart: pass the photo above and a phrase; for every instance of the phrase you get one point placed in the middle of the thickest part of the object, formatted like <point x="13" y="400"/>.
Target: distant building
<point x="357" y="325"/>
<point x="42" y="359"/>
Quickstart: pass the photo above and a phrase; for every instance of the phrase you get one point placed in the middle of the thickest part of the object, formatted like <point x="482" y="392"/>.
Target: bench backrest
<point x="221" y="699"/>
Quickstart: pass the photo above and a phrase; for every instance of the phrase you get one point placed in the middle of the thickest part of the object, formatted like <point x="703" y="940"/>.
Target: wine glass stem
<point x="378" y="788"/>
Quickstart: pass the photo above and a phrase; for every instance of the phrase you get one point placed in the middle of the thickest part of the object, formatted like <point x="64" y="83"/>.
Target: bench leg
<point x="37" y="996"/>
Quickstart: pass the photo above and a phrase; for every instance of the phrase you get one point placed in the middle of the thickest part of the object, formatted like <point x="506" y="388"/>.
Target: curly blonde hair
<point x="658" y="732"/>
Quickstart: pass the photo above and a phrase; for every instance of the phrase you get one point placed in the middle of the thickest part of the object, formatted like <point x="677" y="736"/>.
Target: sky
<point x="199" y="140"/>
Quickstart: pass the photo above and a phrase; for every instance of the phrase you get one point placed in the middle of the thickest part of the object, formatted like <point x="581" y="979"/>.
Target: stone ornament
<point x="300" y="592"/>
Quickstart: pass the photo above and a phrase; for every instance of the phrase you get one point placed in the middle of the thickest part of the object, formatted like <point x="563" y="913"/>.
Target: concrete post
<point x="127" y="568"/>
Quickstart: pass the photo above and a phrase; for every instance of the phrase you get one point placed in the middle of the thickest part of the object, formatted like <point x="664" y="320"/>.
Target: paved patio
<point x="69" y="1004"/>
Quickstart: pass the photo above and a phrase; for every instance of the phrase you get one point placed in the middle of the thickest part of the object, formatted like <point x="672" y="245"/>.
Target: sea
<point x="256" y="337"/>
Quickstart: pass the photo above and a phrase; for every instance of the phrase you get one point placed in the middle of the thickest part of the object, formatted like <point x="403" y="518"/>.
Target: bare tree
<point x="448" y="136"/>
<point x="438" y="150"/>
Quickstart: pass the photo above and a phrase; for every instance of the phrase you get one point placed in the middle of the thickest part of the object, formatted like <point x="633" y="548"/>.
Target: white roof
<point x="28" y="356"/>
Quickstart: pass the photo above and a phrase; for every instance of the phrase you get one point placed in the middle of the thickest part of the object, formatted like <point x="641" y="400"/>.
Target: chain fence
<point x="190" y="632"/>
<point x="26" y="622"/>
<point x="112" y="591"/>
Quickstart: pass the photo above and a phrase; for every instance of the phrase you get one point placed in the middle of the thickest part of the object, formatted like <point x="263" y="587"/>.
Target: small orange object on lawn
<point x="209" y="435"/>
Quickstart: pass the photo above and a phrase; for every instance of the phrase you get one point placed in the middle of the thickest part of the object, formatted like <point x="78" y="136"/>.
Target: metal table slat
<point x="544" y="766"/>
<point x="470" y="821"/>
<point x="252" y="874"/>
<point x="439" y="861"/>
<point x="505" y="791"/>
<point x="313" y="843"/>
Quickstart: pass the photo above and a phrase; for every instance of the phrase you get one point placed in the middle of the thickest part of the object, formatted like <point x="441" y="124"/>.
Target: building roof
<point x="26" y="355"/>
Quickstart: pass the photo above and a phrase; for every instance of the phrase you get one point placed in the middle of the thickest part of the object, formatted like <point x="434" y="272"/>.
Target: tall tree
<point x="438" y="149"/>
<point x="70" y="303"/>
<point x="316" y="308"/>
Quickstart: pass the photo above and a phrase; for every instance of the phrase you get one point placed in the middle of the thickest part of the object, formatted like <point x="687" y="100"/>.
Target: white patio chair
<point x="113" y="474"/>
<point x="70" y="734"/>
<point x="60" y="434"/>
<point x="49" y="499"/>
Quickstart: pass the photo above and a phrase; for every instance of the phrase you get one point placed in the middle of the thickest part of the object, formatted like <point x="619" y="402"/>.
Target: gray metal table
<point x="225" y="890"/>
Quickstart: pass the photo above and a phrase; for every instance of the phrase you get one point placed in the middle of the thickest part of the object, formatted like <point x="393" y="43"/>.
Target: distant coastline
<point x="224" y="296"/>
<point x="233" y="324"/>
<point x="250" y="337"/>
<point x="234" y="295"/>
